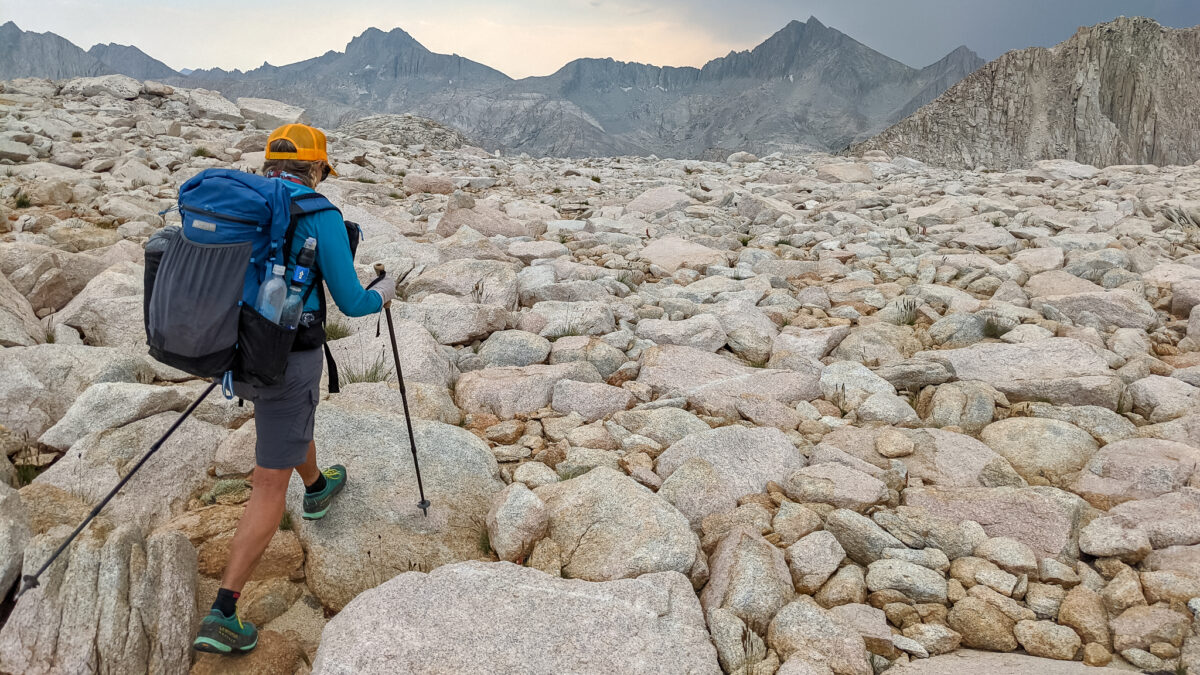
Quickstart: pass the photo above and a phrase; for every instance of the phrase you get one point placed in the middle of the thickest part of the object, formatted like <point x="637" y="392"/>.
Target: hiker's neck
<point x="291" y="177"/>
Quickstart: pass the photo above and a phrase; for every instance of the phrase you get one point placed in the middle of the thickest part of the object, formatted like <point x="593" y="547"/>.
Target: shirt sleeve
<point x="337" y="267"/>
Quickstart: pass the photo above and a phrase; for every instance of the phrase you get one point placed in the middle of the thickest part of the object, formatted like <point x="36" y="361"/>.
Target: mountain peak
<point x="131" y="61"/>
<point x="960" y="55"/>
<point x="374" y="38"/>
<point x="814" y="22"/>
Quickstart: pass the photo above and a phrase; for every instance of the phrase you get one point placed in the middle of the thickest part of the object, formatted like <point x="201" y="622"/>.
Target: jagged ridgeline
<point x="813" y="88"/>
<point x="1123" y="92"/>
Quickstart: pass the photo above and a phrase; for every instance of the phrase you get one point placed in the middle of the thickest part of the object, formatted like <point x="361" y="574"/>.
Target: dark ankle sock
<point x="317" y="486"/>
<point x="226" y="602"/>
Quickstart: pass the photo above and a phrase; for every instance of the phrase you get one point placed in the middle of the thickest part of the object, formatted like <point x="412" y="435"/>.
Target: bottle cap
<point x="279" y="269"/>
<point x="311" y="242"/>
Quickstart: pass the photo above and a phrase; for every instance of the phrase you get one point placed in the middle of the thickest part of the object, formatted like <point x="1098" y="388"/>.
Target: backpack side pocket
<point x="263" y="348"/>
<point x="192" y="319"/>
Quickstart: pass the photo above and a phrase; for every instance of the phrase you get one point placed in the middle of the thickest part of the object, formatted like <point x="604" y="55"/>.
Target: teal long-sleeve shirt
<point x="333" y="259"/>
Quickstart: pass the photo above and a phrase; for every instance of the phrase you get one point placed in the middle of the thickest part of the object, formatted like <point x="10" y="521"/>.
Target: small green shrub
<point x="76" y="134"/>
<point x="595" y="179"/>
<point x="626" y="278"/>
<point x="22" y="200"/>
<point x="225" y="486"/>
<point x="285" y="523"/>
<point x="556" y="190"/>
<point x="485" y="543"/>
<point x="201" y="152"/>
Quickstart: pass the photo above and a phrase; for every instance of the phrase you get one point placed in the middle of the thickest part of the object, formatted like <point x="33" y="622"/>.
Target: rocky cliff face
<point x="131" y="61"/>
<point x="27" y="54"/>
<point x="1124" y="92"/>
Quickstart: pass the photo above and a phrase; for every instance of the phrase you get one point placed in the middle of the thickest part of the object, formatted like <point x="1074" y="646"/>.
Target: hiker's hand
<point x="385" y="286"/>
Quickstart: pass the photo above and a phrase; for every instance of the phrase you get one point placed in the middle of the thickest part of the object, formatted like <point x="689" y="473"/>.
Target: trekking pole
<point x="31" y="580"/>
<point x="387" y="311"/>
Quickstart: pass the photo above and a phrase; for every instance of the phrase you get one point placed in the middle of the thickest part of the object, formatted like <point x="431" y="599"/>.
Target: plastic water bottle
<point x="294" y="305"/>
<point x="271" y="295"/>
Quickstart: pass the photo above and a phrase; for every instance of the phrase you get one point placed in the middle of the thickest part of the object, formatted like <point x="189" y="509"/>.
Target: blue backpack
<point x="202" y="279"/>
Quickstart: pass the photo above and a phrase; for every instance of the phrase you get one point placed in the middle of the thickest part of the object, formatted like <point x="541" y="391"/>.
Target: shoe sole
<point x="210" y="646"/>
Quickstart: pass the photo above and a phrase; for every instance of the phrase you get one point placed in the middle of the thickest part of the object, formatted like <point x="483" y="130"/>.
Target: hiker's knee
<point x="271" y="480"/>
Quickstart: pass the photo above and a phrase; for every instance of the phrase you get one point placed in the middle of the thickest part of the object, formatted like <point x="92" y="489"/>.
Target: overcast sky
<point x="536" y="37"/>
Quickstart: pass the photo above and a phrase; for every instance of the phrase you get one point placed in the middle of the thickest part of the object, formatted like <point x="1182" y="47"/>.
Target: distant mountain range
<point x="807" y="87"/>
<point x="1123" y="92"/>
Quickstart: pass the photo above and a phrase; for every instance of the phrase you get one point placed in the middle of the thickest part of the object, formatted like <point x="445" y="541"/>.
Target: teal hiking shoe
<point x="221" y="635"/>
<point x="317" y="505"/>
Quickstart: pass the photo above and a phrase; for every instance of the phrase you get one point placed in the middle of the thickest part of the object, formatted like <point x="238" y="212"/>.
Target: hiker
<point x="284" y="413"/>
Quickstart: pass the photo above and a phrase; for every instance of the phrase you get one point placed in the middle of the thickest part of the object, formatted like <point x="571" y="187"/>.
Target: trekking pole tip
<point x="424" y="506"/>
<point x="28" y="583"/>
<point x="379" y="269"/>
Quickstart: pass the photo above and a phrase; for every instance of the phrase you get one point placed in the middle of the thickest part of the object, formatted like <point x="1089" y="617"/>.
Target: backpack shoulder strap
<point x="303" y="205"/>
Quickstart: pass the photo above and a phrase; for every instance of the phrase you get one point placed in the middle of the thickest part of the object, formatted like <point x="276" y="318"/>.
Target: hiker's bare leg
<point x="259" y="522"/>
<point x="308" y="470"/>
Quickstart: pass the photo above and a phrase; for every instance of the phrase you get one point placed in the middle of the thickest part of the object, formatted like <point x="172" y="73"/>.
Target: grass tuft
<point x="201" y="152"/>
<point x="375" y="370"/>
<point x="22" y="200"/>
<point x="336" y="330"/>
<point x="366" y="180"/>
<point x="25" y="474"/>
<point x="906" y="311"/>
<point x="76" y="134"/>
<point x="285" y="523"/>
<point x="595" y="179"/>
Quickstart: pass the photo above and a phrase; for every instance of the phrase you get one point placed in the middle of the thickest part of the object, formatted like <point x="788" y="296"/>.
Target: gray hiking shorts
<point x="284" y="413"/>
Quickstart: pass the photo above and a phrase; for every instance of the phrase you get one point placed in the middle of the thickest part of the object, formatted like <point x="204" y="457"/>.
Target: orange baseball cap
<point x="309" y="142"/>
